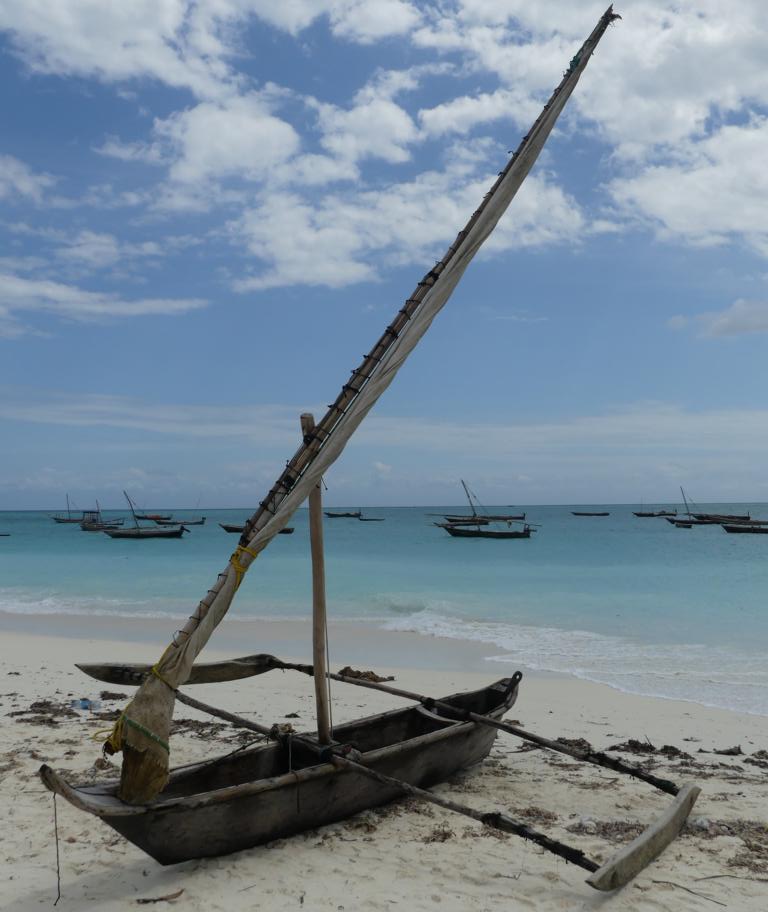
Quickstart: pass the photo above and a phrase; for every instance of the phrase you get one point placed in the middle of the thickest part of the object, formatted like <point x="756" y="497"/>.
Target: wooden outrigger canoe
<point x="250" y="797"/>
<point x="276" y="790"/>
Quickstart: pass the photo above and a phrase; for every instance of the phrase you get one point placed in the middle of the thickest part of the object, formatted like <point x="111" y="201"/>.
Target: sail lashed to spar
<point x="143" y="729"/>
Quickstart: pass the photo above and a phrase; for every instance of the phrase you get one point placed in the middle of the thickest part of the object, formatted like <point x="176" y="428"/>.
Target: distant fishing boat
<point x="138" y="531"/>
<point x="463" y="531"/>
<point x="665" y="513"/>
<point x="588" y="513"/>
<point x="93" y="521"/>
<point x="749" y="528"/>
<point x="476" y="518"/>
<point x="712" y="518"/>
<point x="69" y="518"/>
<point x="147" y="532"/>
<point x="721" y="517"/>
<point x="334" y="514"/>
<point x="155" y="517"/>
<point x="231" y="527"/>
<point x="200" y="521"/>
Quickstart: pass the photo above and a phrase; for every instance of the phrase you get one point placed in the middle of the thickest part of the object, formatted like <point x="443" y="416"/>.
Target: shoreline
<point x="353" y="642"/>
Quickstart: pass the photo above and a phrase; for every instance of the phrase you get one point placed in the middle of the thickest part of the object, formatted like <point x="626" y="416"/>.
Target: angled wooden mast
<point x="143" y="729"/>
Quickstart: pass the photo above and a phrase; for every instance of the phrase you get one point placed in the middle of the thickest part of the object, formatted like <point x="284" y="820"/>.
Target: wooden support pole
<point x="319" y="654"/>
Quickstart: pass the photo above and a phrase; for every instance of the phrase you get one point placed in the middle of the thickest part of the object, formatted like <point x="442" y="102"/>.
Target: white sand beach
<point x="407" y="855"/>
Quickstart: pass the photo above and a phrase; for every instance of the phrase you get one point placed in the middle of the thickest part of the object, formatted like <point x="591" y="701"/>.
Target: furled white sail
<point x="143" y="730"/>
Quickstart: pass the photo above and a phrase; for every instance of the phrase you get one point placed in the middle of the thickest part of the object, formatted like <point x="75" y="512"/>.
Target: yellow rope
<point x="154" y="670"/>
<point x="114" y="743"/>
<point x="237" y="566"/>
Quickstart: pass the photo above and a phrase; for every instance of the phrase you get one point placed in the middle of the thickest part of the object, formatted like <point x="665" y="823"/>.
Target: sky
<point x="210" y="210"/>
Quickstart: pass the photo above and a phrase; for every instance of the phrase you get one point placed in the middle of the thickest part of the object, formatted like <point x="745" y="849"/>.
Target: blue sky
<point x="209" y="211"/>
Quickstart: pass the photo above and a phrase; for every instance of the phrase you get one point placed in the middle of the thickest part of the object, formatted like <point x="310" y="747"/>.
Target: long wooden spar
<point x="248" y="666"/>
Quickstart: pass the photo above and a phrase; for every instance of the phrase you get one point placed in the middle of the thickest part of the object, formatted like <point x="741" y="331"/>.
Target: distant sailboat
<point x="475" y="526"/>
<point x="69" y="518"/>
<point x="141" y="532"/>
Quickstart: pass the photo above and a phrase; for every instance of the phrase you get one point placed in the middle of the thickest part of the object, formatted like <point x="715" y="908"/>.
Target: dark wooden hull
<point x="66" y="519"/>
<point x="581" y="513"/>
<point x="464" y="532"/>
<point x="453" y="521"/>
<point x="687" y="523"/>
<point x="720" y="517"/>
<point x="100" y="526"/>
<point x="657" y="513"/>
<point x="153" y="516"/>
<point x="249" y="798"/>
<point x="159" y="532"/>
<point x="747" y="528"/>
<point x="332" y="515"/>
<point x="485" y="518"/>
<point x="230" y="527"/>
<point x="184" y="522"/>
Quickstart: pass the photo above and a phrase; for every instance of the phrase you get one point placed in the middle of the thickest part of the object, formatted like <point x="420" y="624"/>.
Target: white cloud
<point x="654" y="444"/>
<point x="113" y="41"/>
<point x="460" y="115"/>
<point x="272" y="424"/>
<point x="220" y="139"/>
<point x="375" y="128"/>
<point x="181" y="43"/>
<point x="148" y="153"/>
<point x="741" y="318"/>
<point x="18" y="179"/>
<point x="658" y="75"/>
<point x="300" y="243"/>
<point x="25" y="295"/>
<point x="334" y="240"/>
<point x="92" y="249"/>
<point x="712" y="193"/>
<point x="367" y="21"/>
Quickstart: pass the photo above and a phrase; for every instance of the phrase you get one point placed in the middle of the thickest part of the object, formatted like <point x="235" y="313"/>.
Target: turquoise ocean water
<point x="634" y="603"/>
